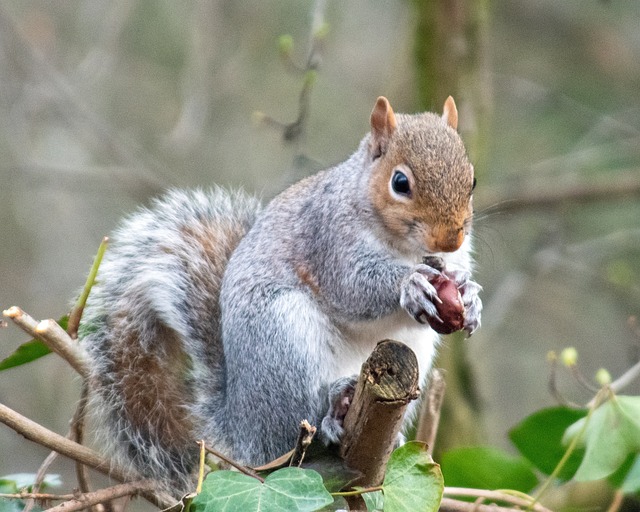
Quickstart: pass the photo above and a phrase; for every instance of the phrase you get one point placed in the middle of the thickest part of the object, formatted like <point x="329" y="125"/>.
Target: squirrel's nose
<point x="445" y="239"/>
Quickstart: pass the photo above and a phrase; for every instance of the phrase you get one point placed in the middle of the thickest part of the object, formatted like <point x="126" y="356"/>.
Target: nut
<point x="451" y="309"/>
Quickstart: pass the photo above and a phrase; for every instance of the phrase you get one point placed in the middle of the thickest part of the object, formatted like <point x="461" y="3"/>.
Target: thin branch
<point x="501" y="496"/>
<point x="431" y="407"/>
<point x="76" y="433"/>
<point x="45" y="437"/>
<point x="625" y="184"/>
<point x="451" y="505"/>
<point x="38" y="496"/>
<point x="626" y="378"/>
<point x="40" y="475"/>
<point x="52" y="335"/>
<point x="233" y="463"/>
<point x="110" y="493"/>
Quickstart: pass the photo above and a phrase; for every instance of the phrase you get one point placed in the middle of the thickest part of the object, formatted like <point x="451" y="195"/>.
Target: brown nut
<point x="451" y="310"/>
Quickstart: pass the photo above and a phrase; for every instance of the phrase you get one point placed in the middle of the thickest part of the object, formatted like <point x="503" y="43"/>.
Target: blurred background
<point x="105" y="104"/>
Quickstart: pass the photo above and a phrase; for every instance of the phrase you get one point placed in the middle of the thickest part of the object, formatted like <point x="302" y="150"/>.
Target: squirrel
<point x="214" y="318"/>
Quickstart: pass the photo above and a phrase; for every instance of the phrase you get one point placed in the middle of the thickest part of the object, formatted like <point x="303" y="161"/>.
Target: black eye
<point x="474" y="185"/>
<point x="400" y="183"/>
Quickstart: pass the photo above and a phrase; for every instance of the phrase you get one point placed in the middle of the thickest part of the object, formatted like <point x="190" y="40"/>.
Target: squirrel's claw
<point x="469" y="291"/>
<point x="418" y="296"/>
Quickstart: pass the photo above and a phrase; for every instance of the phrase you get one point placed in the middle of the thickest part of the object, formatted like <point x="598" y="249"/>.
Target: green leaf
<point x="374" y="501"/>
<point x="26" y="481"/>
<point x="539" y="439"/>
<point x="29" y="351"/>
<point x="25" y="353"/>
<point x="412" y="481"/>
<point x="611" y="434"/>
<point x="631" y="483"/>
<point x="482" y="467"/>
<point x="285" y="490"/>
<point x="7" y="505"/>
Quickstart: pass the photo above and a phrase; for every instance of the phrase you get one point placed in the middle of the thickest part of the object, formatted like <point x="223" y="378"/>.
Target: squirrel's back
<point x="151" y="327"/>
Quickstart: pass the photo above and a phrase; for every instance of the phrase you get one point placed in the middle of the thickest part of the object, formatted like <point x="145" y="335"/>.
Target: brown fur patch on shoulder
<point x="307" y="278"/>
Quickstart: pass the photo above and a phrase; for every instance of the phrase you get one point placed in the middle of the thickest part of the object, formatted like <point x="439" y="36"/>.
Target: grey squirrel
<point x="215" y="319"/>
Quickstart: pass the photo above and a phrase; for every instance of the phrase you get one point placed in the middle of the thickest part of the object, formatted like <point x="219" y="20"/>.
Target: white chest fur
<point x="359" y="340"/>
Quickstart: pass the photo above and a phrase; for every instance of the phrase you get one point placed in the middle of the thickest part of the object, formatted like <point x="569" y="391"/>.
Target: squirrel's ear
<point x="450" y="113"/>
<point x="383" y="124"/>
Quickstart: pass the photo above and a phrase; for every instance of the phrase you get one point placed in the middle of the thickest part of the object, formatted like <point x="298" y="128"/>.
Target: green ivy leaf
<point x="29" y="351"/>
<point x="483" y="467"/>
<point x="284" y="490"/>
<point x="631" y="483"/>
<point x="611" y="434"/>
<point x="539" y="439"/>
<point x="412" y="481"/>
<point x="374" y="501"/>
<point x="25" y="353"/>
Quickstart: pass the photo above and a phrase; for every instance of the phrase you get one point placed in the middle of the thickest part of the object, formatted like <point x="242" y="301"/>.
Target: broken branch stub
<point x="388" y="382"/>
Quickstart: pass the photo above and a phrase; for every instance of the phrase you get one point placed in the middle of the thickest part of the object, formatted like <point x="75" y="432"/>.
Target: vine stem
<point x="358" y="492"/>
<point x="76" y="312"/>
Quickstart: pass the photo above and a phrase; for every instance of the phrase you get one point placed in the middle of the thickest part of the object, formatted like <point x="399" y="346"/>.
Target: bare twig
<point x="451" y="505"/>
<point x="626" y="378"/>
<point x="305" y="436"/>
<point x="45" y="437"/>
<point x="625" y="184"/>
<point x="40" y="475"/>
<point x="76" y="433"/>
<point x="52" y="335"/>
<point x="292" y="131"/>
<point x="38" y="496"/>
<point x="501" y="496"/>
<point x="110" y="493"/>
<point x="243" y="469"/>
<point x="616" y="503"/>
<point x="430" y="413"/>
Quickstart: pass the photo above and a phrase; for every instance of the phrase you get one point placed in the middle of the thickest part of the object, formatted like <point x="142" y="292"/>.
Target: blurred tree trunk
<point x="450" y="57"/>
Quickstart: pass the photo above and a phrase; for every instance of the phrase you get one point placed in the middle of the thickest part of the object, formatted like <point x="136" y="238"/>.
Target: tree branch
<point x="110" y="493"/>
<point x="625" y="184"/>
<point x="52" y="335"/>
<point x="45" y="437"/>
<point x="388" y="382"/>
<point x="492" y="495"/>
<point x="430" y="411"/>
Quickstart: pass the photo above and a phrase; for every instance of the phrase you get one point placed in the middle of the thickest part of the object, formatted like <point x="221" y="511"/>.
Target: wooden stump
<point x="388" y="382"/>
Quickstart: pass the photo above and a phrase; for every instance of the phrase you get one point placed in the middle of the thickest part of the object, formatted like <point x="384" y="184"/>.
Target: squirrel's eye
<point x="473" y="187"/>
<point x="400" y="183"/>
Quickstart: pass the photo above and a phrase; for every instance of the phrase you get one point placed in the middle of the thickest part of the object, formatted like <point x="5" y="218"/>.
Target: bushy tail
<point x="151" y="329"/>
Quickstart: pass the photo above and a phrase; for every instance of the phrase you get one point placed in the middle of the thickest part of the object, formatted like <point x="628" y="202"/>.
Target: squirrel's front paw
<point x="418" y="296"/>
<point x="340" y="396"/>
<point x="469" y="291"/>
